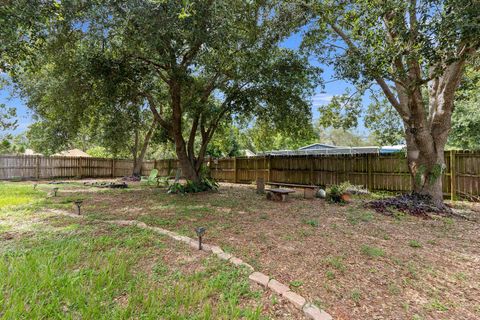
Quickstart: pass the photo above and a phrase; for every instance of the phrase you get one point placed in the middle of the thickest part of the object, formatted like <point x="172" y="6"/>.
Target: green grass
<point x="98" y="277"/>
<point x="372" y="251"/>
<point x="356" y="295"/>
<point x="312" y="222"/>
<point x="14" y="194"/>
<point x="356" y="215"/>
<point x="336" y="262"/>
<point x="296" y="284"/>
<point x="64" y="268"/>
<point x="414" y="244"/>
<point x="437" y="305"/>
<point x="330" y="274"/>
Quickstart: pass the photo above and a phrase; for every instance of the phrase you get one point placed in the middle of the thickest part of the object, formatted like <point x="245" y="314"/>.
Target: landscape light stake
<point x="34" y="186"/>
<point x="78" y="203"/>
<point x="200" y="232"/>
<point x="55" y="192"/>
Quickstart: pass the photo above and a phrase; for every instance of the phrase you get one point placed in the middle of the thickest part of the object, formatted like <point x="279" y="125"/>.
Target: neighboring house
<point x="247" y="153"/>
<point x="392" y="149"/>
<point x="320" y="148"/>
<point x="72" y="153"/>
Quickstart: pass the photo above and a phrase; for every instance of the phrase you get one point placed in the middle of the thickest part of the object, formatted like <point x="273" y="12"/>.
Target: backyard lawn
<point x="350" y="261"/>
<point x="59" y="267"/>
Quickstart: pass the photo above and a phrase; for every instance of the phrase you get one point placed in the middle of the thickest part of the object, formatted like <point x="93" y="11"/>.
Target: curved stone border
<point x="310" y="311"/>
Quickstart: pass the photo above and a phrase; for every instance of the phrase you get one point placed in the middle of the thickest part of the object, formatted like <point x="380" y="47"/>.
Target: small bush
<point x="205" y="184"/>
<point x="335" y="192"/>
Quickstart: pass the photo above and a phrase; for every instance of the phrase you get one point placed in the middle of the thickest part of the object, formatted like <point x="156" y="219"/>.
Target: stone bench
<point x="308" y="190"/>
<point x="278" y="194"/>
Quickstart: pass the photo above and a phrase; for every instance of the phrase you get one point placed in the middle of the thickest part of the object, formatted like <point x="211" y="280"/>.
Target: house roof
<point x="324" y="151"/>
<point x="392" y="149"/>
<point x="327" y="149"/>
<point x="248" y="153"/>
<point x="316" y="146"/>
<point x="72" y="153"/>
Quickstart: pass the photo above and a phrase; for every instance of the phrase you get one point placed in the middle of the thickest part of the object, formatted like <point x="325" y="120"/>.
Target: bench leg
<point x="284" y="197"/>
<point x="308" y="193"/>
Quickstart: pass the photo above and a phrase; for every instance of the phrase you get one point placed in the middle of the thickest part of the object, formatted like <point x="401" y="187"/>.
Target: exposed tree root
<point x="414" y="204"/>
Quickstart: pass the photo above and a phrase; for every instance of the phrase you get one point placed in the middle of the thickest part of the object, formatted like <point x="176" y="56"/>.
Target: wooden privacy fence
<point x="376" y="172"/>
<point x="40" y="167"/>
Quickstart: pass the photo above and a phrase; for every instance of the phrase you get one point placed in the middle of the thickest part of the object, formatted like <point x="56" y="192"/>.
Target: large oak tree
<point x="196" y="63"/>
<point x="414" y="51"/>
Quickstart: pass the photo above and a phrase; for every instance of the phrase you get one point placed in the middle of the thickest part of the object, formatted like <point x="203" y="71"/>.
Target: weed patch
<point x="372" y="251"/>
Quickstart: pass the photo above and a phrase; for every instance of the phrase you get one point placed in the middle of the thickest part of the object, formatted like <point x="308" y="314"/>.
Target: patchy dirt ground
<point x="353" y="262"/>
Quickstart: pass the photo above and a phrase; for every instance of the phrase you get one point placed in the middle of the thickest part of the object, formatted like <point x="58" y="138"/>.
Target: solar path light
<point x="78" y="203"/>
<point x="200" y="232"/>
<point x="55" y="190"/>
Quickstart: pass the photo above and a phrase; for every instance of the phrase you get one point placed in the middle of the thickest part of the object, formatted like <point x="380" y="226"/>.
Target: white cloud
<point x="321" y="99"/>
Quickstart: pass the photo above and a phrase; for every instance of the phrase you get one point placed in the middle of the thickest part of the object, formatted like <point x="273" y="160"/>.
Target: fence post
<point x="311" y="169"/>
<point x="80" y="168"/>
<point x="264" y="167"/>
<point x="235" y="169"/>
<point x="369" y="172"/>
<point x="453" y="176"/>
<point x="37" y="167"/>
<point x="113" y="167"/>
<point x="269" y="170"/>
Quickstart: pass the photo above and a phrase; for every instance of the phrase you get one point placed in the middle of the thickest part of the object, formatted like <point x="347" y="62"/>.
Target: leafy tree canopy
<point x="465" y="132"/>
<point x="413" y="51"/>
<point x="196" y="63"/>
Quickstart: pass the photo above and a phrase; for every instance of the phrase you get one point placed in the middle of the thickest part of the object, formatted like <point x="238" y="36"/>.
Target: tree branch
<point x="193" y="134"/>
<point x="380" y="81"/>
<point x="152" y="105"/>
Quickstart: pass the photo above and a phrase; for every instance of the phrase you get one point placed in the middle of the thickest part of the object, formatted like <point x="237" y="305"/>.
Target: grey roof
<point x="324" y="151"/>
<point x="316" y="146"/>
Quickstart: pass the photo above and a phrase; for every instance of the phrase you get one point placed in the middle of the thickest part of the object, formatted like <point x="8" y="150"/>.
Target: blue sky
<point x="321" y="96"/>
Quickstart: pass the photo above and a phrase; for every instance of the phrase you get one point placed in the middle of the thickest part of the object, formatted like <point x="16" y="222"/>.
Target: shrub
<point x="335" y="192"/>
<point x="205" y="184"/>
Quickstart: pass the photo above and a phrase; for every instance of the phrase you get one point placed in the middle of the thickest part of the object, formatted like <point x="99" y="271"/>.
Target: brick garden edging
<point x="310" y="311"/>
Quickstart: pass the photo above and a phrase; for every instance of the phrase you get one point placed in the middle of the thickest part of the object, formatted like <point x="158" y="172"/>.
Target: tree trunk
<point x="138" y="161"/>
<point x="187" y="166"/>
<point x="186" y="159"/>
<point x="426" y="163"/>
